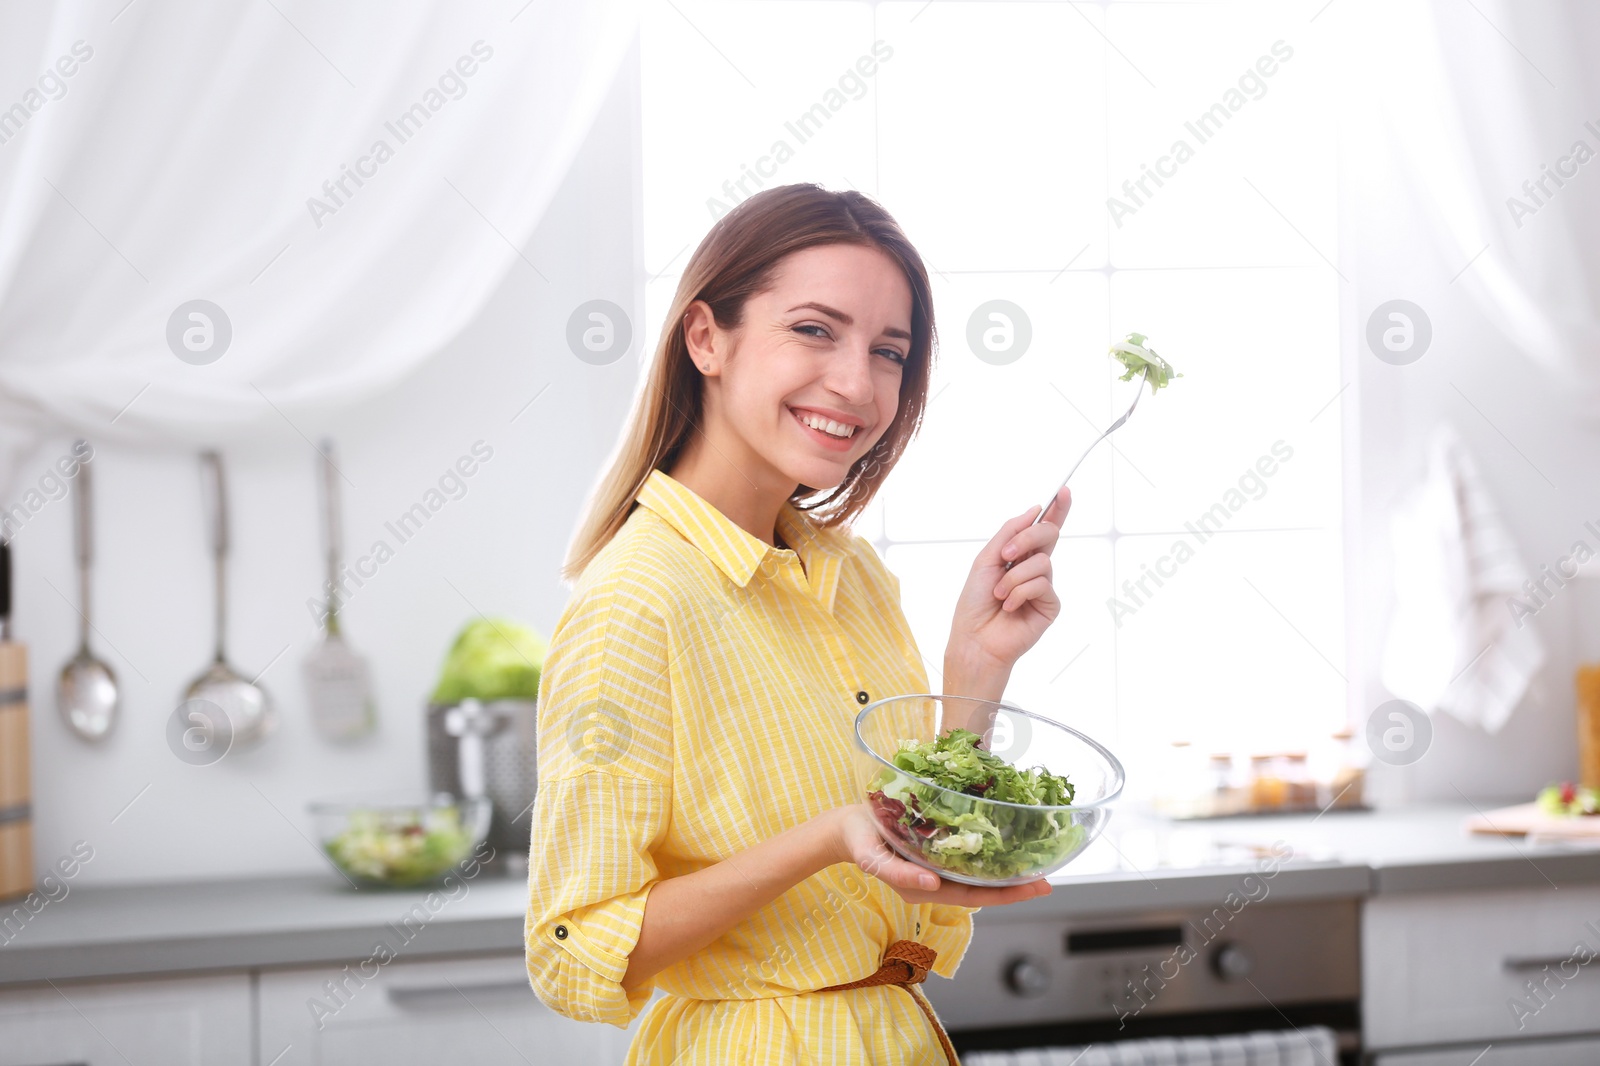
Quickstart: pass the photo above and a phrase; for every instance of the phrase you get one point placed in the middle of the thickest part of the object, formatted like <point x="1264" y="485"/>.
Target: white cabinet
<point x="477" y="1010"/>
<point x="1451" y="968"/>
<point x="167" y="1022"/>
<point x="1530" y="1053"/>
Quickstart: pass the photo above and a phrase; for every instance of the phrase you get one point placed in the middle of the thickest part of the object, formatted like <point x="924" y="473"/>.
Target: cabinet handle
<point x="443" y="995"/>
<point x="1526" y="963"/>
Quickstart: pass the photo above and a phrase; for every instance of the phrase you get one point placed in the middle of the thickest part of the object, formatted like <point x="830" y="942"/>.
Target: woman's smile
<point x="821" y="429"/>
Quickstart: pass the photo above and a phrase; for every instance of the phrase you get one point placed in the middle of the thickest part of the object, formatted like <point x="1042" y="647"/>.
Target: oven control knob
<point x="1028" y="976"/>
<point x="1232" y="962"/>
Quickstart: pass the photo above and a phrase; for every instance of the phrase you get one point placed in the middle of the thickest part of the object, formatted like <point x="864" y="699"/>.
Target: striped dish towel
<point x="1314" y="1045"/>
<point x="1455" y="642"/>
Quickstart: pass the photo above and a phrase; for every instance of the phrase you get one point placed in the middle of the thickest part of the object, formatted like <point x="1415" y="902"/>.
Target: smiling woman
<point x="698" y="826"/>
<point x="814" y="388"/>
<point x="772" y="251"/>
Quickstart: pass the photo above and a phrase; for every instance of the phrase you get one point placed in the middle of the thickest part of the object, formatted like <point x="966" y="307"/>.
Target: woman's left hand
<point x="1002" y="613"/>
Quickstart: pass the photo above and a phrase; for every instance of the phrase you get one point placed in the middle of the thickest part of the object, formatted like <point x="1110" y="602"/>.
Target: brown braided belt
<point x="906" y="963"/>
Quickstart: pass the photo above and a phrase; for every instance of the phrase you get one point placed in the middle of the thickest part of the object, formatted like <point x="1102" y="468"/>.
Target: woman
<point x="697" y="826"/>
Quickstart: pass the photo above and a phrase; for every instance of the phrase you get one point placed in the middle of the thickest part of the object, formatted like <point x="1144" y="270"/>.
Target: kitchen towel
<point x="1313" y="1045"/>
<point x="1453" y="643"/>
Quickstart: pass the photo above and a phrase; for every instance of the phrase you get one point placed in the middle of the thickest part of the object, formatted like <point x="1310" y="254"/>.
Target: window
<point x="1102" y="168"/>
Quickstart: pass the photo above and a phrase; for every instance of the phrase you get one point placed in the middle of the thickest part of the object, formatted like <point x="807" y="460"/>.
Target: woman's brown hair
<point x="737" y="259"/>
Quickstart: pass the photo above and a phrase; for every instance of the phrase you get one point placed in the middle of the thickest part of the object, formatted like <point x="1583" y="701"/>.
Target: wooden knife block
<point x="1589" y="725"/>
<point x="16" y="819"/>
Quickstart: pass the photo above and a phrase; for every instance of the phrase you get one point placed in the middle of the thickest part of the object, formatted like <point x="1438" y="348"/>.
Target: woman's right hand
<point x="858" y="841"/>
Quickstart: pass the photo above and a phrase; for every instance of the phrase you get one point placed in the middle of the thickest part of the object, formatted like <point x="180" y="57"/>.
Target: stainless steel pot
<point x="489" y="750"/>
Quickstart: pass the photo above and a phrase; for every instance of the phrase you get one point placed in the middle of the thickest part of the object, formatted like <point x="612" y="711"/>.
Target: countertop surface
<point x="1142" y="862"/>
<point x="1145" y="861"/>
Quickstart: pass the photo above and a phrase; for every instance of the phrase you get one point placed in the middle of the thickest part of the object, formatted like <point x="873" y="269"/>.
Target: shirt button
<point x="561" y="932"/>
<point x="862" y="697"/>
<point x="919" y="928"/>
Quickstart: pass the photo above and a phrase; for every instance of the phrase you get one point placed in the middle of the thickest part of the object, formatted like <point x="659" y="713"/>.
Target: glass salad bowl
<point x="987" y="807"/>
<point x="400" y="841"/>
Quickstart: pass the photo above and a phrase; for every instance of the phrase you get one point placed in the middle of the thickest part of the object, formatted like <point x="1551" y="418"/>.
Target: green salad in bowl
<point x="947" y="800"/>
<point x="401" y="843"/>
<point x="1568" y="800"/>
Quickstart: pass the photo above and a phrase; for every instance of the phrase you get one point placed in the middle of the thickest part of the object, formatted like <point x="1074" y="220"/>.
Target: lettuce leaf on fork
<point x="1137" y="357"/>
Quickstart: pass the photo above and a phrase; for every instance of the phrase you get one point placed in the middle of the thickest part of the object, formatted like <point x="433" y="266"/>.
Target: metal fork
<point x="1143" y="381"/>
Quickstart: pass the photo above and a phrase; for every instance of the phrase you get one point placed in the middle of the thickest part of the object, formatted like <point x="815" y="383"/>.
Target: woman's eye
<point x="822" y="331"/>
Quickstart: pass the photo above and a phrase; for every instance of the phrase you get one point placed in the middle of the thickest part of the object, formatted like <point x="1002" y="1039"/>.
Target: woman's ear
<point x="699" y="335"/>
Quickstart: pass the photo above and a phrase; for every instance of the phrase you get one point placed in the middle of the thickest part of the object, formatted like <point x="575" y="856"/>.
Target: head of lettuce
<point x="492" y="659"/>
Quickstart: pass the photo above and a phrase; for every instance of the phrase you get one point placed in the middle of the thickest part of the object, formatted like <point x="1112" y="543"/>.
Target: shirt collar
<point x="739" y="553"/>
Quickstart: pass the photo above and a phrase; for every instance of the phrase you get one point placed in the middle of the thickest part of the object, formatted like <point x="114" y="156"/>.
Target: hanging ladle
<point x="245" y="704"/>
<point x="86" y="690"/>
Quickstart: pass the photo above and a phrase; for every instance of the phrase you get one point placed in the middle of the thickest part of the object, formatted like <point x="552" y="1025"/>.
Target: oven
<point x="1268" y="982"/>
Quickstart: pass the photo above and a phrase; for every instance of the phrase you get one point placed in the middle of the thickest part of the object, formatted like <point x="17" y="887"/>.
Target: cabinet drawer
<point x="478" y="1010"/>
<point x="1449" y="968"/>
<point x="175" y="1022"/>
<point x="1516" y="1053"/>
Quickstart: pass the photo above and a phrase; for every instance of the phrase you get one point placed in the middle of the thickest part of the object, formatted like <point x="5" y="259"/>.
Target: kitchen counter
<point x="120" y="930"/>
<point x="1146" y="861"/>
<point x="1143" y="862"/>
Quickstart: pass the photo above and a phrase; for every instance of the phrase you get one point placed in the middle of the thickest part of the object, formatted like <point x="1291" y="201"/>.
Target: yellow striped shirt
<point x="698" y="697"/>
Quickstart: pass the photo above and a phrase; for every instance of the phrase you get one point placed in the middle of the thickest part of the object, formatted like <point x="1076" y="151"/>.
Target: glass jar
<point x="1300" y="789"/>
<point x="1226" y="797"/>
<point x="1345" y="788"/>
<point x="1268" y="789"/>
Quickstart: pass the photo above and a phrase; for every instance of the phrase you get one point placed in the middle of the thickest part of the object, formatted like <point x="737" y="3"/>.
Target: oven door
<point x="1311" y="1046"/>
<point x="1030" y="982"/>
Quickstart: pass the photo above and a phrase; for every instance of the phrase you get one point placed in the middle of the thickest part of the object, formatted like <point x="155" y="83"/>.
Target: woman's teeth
<point x="831" y="428"/>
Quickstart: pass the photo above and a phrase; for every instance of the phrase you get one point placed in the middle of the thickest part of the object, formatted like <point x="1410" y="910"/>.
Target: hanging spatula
<point x="338" y="682"/>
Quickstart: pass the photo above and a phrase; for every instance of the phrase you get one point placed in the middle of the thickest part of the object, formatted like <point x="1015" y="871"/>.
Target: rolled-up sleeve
<point x="587" y="893"/>
<point x="602" y="805"/>
<point x="948" y="932"/>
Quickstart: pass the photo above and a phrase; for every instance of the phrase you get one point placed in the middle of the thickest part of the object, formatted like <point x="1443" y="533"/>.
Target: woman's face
<point x="825" y="344"/>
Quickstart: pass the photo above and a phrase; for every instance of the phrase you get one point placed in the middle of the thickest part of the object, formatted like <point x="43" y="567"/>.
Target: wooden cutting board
<point x="1527" y="818"/>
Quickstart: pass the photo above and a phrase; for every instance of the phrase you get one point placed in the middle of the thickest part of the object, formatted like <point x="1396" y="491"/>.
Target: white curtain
<point x="347" y="183"/>
<point x="1484" y="102"/>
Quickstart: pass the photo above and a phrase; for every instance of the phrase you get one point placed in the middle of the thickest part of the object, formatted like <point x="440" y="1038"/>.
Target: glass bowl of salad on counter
<point x="400" y="842"/>
<point x="980" y="791"/>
